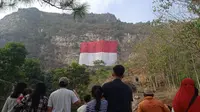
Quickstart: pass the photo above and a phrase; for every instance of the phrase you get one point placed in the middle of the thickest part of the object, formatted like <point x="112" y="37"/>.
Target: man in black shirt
<point x="117" y="93"/>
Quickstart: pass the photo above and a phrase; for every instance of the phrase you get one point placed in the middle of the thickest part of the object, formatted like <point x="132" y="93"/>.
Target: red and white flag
<point x="98" y="50"/>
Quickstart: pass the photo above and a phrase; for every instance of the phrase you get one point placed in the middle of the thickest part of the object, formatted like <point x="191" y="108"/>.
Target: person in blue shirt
<point x="99" y="104"/>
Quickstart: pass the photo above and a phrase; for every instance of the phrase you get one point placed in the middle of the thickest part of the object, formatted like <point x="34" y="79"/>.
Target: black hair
<point x="97" y="93"/>
<point x="145" y="95"/>
<point x="18" y="89"/>
<point x="119" y="70"/>
<point x="63" y="84"/>
<point x="27" y="91"/>
<point x="39" y="92"/>
<point x="87" y="98"/>
<point x="169" y="107"/>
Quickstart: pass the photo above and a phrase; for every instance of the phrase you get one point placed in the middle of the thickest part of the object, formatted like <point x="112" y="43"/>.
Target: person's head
<point x="63" y="82"/>
<point x="148" y="92"/>
<point x="39" y="92"/>
<point x="118" y="71"/>
<point x="185" y="93"/>
<point x="97" y="93"/>
<point x="87" y="98"/>
<point x="27" y="91"/>
<point x="187" y="82"/>
<point x="18" y="89"/>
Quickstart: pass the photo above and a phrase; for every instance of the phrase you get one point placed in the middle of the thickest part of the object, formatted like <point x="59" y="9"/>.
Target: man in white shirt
<point x="62" y="99"/>
<point x="87" y="99"/>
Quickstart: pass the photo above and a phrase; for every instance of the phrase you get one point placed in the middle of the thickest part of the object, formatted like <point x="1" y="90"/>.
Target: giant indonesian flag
<point x="98" y="50"/>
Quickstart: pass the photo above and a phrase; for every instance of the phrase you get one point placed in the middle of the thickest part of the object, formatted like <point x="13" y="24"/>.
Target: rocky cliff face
<point x="55" y="38"/>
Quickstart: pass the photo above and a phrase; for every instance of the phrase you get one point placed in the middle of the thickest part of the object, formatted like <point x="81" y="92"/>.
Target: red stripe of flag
<point x="99" y="46"/>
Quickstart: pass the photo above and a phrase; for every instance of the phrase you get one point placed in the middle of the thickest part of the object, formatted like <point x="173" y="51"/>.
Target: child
<point x="27" y="91"/>
<point x="87" y="98"/>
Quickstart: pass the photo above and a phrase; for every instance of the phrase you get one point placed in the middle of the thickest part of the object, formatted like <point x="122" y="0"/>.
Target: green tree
<point x="78" y="76"/>
<point x="12" y="57"/>
<point x="32" y="71"/>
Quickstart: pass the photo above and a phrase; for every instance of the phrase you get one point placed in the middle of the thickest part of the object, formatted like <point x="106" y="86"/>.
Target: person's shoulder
<point x="54" y="92"/>
<point x="127" y="87"/>
<point x="158" y="102"/>
<point x="107" y="84"/>
<point x="104" y="101"/>
<point x="142" y="102"/>
<point x="91" y="102"/>
<point x="10" y="99"/>
<point x="83" y="107"/>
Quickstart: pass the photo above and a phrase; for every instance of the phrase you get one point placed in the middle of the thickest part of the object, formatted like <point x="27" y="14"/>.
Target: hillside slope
<point x="55" y="38"/>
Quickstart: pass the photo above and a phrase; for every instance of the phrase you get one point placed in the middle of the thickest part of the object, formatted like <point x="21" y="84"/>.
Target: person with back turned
<point x="150" y="104"/>
<point x="117" y="93"/>
<point x="62" y="99"/>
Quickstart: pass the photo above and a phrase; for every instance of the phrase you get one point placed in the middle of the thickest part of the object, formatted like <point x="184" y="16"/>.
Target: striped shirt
<point x="91" y="106"/>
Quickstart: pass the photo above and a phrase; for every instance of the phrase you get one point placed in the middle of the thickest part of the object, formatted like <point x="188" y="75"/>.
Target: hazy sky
<point x="125" y="10"/>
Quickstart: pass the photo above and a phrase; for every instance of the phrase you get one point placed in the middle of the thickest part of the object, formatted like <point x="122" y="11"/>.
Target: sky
<point x="131" y="11"/>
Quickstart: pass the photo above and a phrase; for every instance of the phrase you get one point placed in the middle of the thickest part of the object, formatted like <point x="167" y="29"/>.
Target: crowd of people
<point x="114" y="96"/>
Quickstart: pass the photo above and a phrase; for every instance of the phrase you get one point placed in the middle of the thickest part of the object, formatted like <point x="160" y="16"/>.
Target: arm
<point x="139" y="108"/>
<point x="5" y="107"/>
<point x="166" y="109"/>
<point x="75" y="98"/>
<point x="50" y="104"/>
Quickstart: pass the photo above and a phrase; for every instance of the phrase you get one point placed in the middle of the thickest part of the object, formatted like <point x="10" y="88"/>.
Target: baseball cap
<point x="64" y="80"/>
<point x="148" y="91"/>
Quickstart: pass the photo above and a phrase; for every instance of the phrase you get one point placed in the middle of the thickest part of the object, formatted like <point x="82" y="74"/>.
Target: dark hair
<point x="27" y="91"/>
<point x="119" y="70"/>
<point x="97" y="93"/>
<point x="63" y="84"/>
<point x="18" y="89"/>
<point x="38" y="93"/>
<point x="169" y="107"/>
<point x="87" y="98"/>
<point x="148" y="95"/>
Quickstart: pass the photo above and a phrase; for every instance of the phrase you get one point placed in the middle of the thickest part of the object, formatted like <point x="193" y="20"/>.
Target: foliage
<point x="16" y="67"/>
<point x="77" y="8"/>
<point x="78" y="76"/>
<point x="12" y="57"/>
<point x="171" y="51"/>
<point x="32" y="71"/>
<point x="99" y="63"/>
<point x="177" y="9"/>
<point x="99" y="76"/>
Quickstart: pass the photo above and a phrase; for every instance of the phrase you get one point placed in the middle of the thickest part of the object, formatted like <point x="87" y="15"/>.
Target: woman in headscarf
<point x="183" y="97"/>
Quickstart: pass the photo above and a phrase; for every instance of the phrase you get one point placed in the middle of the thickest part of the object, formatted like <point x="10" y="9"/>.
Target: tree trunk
<point x="171" y="75"/>
<point x="153" y="84"/>
<point x="169" y="84"/>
